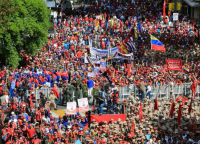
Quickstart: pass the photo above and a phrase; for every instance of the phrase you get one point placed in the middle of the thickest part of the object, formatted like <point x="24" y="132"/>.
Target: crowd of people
<point x="27" y="119"/>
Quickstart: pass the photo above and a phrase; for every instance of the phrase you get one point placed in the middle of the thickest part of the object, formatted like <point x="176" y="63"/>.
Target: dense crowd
<point x="27" y="119"/>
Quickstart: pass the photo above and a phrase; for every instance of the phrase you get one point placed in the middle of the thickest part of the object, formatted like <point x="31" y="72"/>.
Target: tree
<point x="24" y="26"/>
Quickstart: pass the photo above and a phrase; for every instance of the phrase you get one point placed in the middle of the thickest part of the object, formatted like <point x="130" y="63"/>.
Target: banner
<point x="102" y="118"/>
<point x="92" y="74"/>
<point x="174" y="64"/>
<point x="119" y="55"/>
<point x="102" y="53"/>
<point x="172" y="6"/>
<point x="175" y="16"/>
<point x="71" y="108"/>
<point x="83" y="105"/>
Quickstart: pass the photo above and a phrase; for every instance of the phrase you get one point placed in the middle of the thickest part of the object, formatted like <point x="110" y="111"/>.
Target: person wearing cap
<point x="51" y="101"/>
<point x="131" y="98"/>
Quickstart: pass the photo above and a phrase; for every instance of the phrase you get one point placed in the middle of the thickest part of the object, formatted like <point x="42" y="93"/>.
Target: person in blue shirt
<point x="12" y="87"/>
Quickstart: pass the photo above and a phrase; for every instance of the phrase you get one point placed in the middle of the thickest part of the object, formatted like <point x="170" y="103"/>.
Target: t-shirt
<point x="31" y="132"/>
<point x="90" y="83"/>
<point x="79" y="54"/>
<point x="36" y="141"/>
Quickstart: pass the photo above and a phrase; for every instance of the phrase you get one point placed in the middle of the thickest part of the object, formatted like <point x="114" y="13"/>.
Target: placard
<point x="71" y="108"/>
<point x="83" y="105"/>
<point x="174" y="64"/>
<point x="175" y="16"/>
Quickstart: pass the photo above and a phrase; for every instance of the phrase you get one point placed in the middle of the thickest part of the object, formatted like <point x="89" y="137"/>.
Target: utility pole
<point x="175" y="5"/>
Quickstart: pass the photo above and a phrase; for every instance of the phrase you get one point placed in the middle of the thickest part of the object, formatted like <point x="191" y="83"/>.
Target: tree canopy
<point x="24" y="26"/>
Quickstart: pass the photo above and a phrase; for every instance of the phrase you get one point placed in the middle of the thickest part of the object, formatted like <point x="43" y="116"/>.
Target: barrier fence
<point x="125" y="91"/>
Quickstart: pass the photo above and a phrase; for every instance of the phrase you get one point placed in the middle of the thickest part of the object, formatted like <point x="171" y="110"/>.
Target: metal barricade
<point x="159" y="91"/>
<point x="125" y="91"/>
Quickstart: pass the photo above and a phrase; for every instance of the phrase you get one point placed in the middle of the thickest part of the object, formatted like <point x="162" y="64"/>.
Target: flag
<point x="90" y="62"/>
<point x="179" y="115"/>
<point x="123" y="49"/>
<point x="111" y="23"/>
<point x="129" y="44"/>
<point x="140" y="112"/>
<point x="129" y="70"/>
<point x="96" y="23"/>
<point x="164" y="11"/>
<point x="133" y="128"/>
<point x="74" y="131"/>
<point x="139" y="27"/>
<point x="186" y="70"/>
<point x="172" y="109"/>
<point x="156" y="44"/>
<point x="78" y="142"/>
<point x="156" y="107"/>
<point x="114" y="55"/>
<point x="26" y="116"/>
<point x="190" y="106"/>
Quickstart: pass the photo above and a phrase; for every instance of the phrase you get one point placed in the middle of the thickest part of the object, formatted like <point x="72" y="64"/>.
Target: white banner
<point x="83" y="105"/>
<point x="175" y="16"/>
<point x="92" y="74"/>
<point x="71" y="108"/>
<point x="102" y="53"/>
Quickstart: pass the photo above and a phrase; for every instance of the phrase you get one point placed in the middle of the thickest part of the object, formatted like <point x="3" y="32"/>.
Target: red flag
<point x="156" y="107"/>
<point x="172" y="109"/>
<point x="133" y="125"/>
<point x="164" y="11"/>
<point x="179" y="114"/>
<point x="190" y="106"/>
<point x="129" y="69"/>
<point x="140" y="112"/>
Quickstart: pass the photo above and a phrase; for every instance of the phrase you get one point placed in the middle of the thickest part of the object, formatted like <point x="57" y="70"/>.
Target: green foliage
<point x="24" y="26"/>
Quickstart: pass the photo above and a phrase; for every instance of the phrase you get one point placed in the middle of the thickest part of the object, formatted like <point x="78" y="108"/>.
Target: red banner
<point x="107" y="118"/>
<point x="174" y="64"/>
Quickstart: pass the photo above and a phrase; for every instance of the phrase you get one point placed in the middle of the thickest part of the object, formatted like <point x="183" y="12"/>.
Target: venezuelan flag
<point x="186" y="70"/>
<point x="156" y="44"/>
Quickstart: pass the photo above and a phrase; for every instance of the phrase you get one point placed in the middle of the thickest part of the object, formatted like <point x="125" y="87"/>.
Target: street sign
<point x="175" y="16"/>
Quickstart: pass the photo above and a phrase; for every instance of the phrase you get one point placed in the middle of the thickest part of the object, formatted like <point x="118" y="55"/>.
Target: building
<point x="191" y="7"/>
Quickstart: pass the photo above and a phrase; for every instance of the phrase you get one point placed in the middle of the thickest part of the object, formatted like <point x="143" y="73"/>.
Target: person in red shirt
<point x="194" y="88"/>
<point x="30" y="132"/>
<point x="36" y="140"/>
<point x="38" y="115"/>
<point x="79" y="54"/>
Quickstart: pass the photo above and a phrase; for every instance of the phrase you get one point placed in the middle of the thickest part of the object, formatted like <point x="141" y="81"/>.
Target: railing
<point x="160" y="92"/>
<point x="125" y="91"/>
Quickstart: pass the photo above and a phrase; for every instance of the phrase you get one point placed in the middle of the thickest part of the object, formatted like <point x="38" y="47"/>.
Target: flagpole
<point x="152" y="51"/>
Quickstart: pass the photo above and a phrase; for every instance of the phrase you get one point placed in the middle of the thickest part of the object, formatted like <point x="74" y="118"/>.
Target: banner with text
<point x="174" y="64"/>
<point x="83" y="105"/>
<point x="102" y="53"/>
<point x="71" y="108"/>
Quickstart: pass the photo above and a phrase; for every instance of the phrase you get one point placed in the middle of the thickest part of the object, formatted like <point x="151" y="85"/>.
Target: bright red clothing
<point x="31" y="132"/>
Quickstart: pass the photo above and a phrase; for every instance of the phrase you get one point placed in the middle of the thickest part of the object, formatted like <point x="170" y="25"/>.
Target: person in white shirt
<point x="149" y="90"/>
